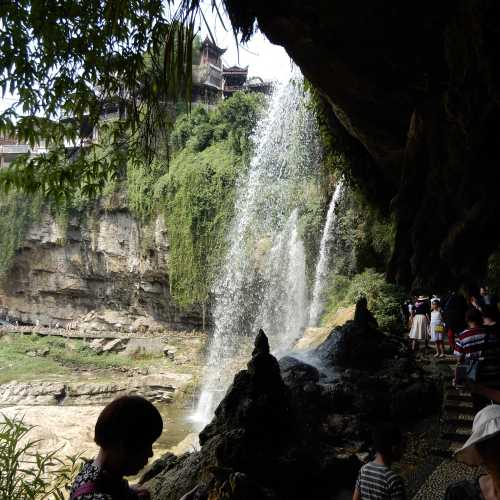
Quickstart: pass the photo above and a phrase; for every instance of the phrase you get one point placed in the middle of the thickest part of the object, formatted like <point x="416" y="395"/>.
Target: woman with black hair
<point x="125" y="432"/>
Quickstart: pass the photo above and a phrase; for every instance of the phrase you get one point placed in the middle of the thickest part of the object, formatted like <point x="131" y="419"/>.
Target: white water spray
<point x="322" y="265"/>
<point x="262" y="283"/>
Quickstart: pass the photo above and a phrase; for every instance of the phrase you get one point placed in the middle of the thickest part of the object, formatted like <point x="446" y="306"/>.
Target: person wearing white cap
<point x="482" y="448"/>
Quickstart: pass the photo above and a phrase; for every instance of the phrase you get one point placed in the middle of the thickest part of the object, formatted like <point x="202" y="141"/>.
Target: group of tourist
<point x="473" y="335"/>
<point x="470" y="326"/>
<point x="437" y="319"/>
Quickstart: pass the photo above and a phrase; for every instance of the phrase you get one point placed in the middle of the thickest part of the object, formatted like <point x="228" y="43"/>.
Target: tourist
<point x="411" y="310"/>
<point x="405" y="312"/>
<point x="376" y="480"/>
<point x="486" y="387"/>
<point x="437" y="328"/>
<point x="470" y="347"/>
<point x="420" y="322"/>
<point x="480" y="449"/>
<point x="487" y="298"/>
<point x="490" y="315"/>
<point x="125" y="432"/>
<point x="454" y="308"/>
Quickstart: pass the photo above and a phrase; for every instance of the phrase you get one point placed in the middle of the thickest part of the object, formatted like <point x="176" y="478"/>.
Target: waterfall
<point x="321" y="273"/>
<point x="262" y="282"/>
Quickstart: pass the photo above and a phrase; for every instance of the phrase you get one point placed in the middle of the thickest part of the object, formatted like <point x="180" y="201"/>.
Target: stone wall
<point x="105" y="270"/>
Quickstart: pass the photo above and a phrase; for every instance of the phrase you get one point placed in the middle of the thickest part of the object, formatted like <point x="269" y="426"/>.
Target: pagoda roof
<point x="235" y="69"/>
<point x="212" y="45"/>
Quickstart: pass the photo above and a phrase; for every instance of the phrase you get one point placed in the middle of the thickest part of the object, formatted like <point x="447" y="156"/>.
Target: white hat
<point x="486" y="425"/>
<point x="421" y="297"/>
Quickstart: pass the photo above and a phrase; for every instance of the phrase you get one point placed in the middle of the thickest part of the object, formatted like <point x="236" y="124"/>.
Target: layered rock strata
<point x="104" y="271"/>
<point x="155" y="388"/>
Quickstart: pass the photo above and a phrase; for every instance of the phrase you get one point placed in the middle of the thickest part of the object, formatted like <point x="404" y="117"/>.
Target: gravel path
<point x="448" y="472"/>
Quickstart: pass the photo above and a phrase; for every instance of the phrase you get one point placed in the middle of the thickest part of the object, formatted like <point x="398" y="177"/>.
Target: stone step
<point x="458" y="397"/>
<point x="459" y="422"/>
<point x="461" y="409"/>
<point x="451" y="389"/>
<point x="447" y="361"/>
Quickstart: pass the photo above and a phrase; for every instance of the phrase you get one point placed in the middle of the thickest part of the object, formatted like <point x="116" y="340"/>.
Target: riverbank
<point x="60" y="383"/>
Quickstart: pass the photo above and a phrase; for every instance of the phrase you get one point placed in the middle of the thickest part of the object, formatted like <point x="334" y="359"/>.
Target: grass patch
<point x="61" y="356"/>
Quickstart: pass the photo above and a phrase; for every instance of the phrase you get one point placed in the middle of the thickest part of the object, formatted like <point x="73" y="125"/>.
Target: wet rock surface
<point x="291" y="430"/>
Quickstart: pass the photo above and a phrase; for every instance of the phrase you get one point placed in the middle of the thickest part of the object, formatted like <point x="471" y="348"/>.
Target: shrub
<point x="27" y="474"/>
<point x="198" y="199"/>
<point x="384" y="299"/>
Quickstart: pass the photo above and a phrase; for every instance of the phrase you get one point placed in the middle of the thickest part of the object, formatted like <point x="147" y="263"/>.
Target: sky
<point x="270" y="62"/>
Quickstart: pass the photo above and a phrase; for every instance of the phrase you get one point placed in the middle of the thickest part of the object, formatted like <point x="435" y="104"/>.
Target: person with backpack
<point x="125" y="432"/>
<point x="485" y="388"/>
<point x="376" y="480"/>
<point x="477" y="354"/>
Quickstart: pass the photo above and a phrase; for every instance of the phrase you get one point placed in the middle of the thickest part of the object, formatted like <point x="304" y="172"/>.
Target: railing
<point x="14" y="149"/>
<point x="233" y="88"/>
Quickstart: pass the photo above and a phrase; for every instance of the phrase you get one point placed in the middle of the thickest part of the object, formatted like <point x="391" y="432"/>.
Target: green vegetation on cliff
<point x="17" y="212"/>
<point x="199" y="201"/>
<point x="194" y="191"/>
<point x="364" y="237"/>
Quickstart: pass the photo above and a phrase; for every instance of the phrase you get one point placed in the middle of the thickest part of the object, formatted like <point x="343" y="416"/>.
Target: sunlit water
<point x="262" y="283"/>
<point x="322" y="266"/>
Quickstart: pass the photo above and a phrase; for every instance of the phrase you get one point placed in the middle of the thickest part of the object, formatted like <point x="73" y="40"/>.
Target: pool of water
<point x="177" y="424"/>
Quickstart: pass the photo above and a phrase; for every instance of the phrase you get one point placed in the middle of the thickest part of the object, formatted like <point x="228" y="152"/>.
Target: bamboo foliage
<point x="28" y="474"/>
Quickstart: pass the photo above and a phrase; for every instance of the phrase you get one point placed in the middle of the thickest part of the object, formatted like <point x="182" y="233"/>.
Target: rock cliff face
<point x="412" y="92"/>
<point x="104" y="270"/>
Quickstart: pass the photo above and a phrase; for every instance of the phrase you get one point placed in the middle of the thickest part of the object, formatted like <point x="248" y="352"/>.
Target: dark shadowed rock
<point x="296" y="372"/>
<point x="358" y="343"/>
<point x="265" y="440"/>
<point x="175" y="478"/>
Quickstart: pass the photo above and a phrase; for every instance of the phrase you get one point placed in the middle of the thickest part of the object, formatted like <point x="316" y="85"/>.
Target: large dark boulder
<point x="265" y="442"/>
<point x="358" y="343"/>
<point x="374" y="378"/>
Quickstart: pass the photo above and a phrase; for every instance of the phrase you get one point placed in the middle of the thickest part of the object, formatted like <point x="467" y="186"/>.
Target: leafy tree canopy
<point x="67" y="60"/>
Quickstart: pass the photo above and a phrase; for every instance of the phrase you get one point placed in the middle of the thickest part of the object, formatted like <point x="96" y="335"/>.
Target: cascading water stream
<point x="262" y="283"/>
<point x="322" y="265"/>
